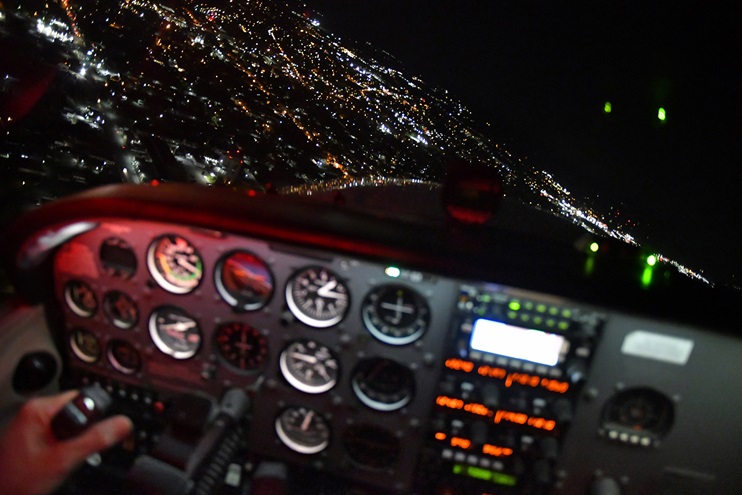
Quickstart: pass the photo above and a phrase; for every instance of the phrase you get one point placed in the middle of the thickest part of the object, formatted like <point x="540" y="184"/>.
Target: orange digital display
<point x="475" y="408"/>
<point x="523" y="379"/>
<point x="499" y="416"/>
<point x="524" y="419"/>
<point x="459" y="365"/>
<point x="463" y="443"/>
<point x="491" y="371"/>
<point x="448" y="402"/>
<point x="496" y="451"/>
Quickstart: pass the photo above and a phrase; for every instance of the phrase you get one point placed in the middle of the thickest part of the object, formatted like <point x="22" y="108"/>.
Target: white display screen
<point x="520" y="343"/>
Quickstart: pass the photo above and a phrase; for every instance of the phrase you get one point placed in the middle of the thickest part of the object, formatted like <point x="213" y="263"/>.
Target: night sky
<point x="540" y="72"/>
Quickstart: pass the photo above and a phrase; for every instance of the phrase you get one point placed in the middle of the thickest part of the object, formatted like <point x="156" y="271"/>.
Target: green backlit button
<point x="550" y="322"/>
<point x="503" y="479"/>
<point x="514" y="305"/>
<point x="512" y="315"/>
<point x="525" y="317"/>
<point x="553" y="310"/>
<point x="563" y="325"/>
<point x="479" y="473"/>
<point x="529" y="306"/>
<point x="567" y="313"/>
<point x="541" y="308"/>
<point x="538" y="320"/>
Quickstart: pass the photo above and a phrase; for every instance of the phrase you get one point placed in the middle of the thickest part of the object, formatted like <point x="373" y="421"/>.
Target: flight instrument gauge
<point x="383" y="384"/>
<point x="174" y="332"/>
<point x="309" y="366"/>
<point x="395" y="314"/>
<point x="80" y="298"/>
<point x="244" y="281"/>
<point x="317" y="297"/>
<point x="241" y="345"/>
<point x="120" y="309"/>
<point x="118" y="258"/>
<point x="85" y="345"/>
<point x="303" y="430"/>
<point x="124" y="357"/>
<point x="175" y="264"/>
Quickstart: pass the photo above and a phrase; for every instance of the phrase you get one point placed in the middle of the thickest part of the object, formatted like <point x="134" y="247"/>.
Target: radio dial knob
<point x="490" y="395"/>
<point x="576" y="370"/>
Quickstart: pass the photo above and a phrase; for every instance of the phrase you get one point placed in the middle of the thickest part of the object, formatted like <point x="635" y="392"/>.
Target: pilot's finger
<point x="47" y="407"/>
<point x="97" y="437"/>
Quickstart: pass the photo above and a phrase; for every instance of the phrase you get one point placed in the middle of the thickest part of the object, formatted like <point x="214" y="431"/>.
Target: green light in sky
<point x="651" y="260"/>
<point x="661" y="114"/>
<point x="594" y="247"/>
<point x="607" y="107"/>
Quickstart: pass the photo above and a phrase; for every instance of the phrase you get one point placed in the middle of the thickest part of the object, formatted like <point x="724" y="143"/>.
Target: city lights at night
<point x="247" y="95"/>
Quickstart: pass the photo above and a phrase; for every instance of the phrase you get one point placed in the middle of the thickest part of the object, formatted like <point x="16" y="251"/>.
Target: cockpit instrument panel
<point x="391" y="378"/>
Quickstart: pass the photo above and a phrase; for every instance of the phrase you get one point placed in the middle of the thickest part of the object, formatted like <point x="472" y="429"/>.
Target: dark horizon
<point x="540" y="74"/>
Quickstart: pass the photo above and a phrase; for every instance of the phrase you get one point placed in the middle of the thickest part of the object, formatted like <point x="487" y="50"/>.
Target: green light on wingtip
<point x="594" y="247"/>
<point x="661" y="114"/>
<point x="651" y="260"/>
<point x="607" y="107"/>
<point x="393" y="271"/>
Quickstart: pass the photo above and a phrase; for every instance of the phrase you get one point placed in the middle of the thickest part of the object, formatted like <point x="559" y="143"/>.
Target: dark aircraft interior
<point x="336" y="344"/>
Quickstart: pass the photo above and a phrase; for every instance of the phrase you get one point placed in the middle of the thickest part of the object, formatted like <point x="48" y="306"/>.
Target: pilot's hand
<point x="34" y="462"/>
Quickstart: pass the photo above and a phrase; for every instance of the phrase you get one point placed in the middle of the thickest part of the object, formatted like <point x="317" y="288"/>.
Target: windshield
<point x="618" y="117"/>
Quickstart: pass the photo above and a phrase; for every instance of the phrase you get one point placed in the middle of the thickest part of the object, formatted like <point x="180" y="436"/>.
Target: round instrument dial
<point x="174" y="332"/>
<point x="118" y="258"/>
<point x="303" y="430"/>
<point x="395" y="314"/>
<point x="317" y="297"/>
<point x="383" y="384"/>
<point x="80" y="298"/>
<point x="175" y="264"/>
<point x="241" y="345"/>
<point x="244" y="281"/>
<point x="371" y="446"/>
<point x="309" y="366"/>
<point x="85" y="345"/>
<point x="124" y="357"/>
<point x="120" y="309"/>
